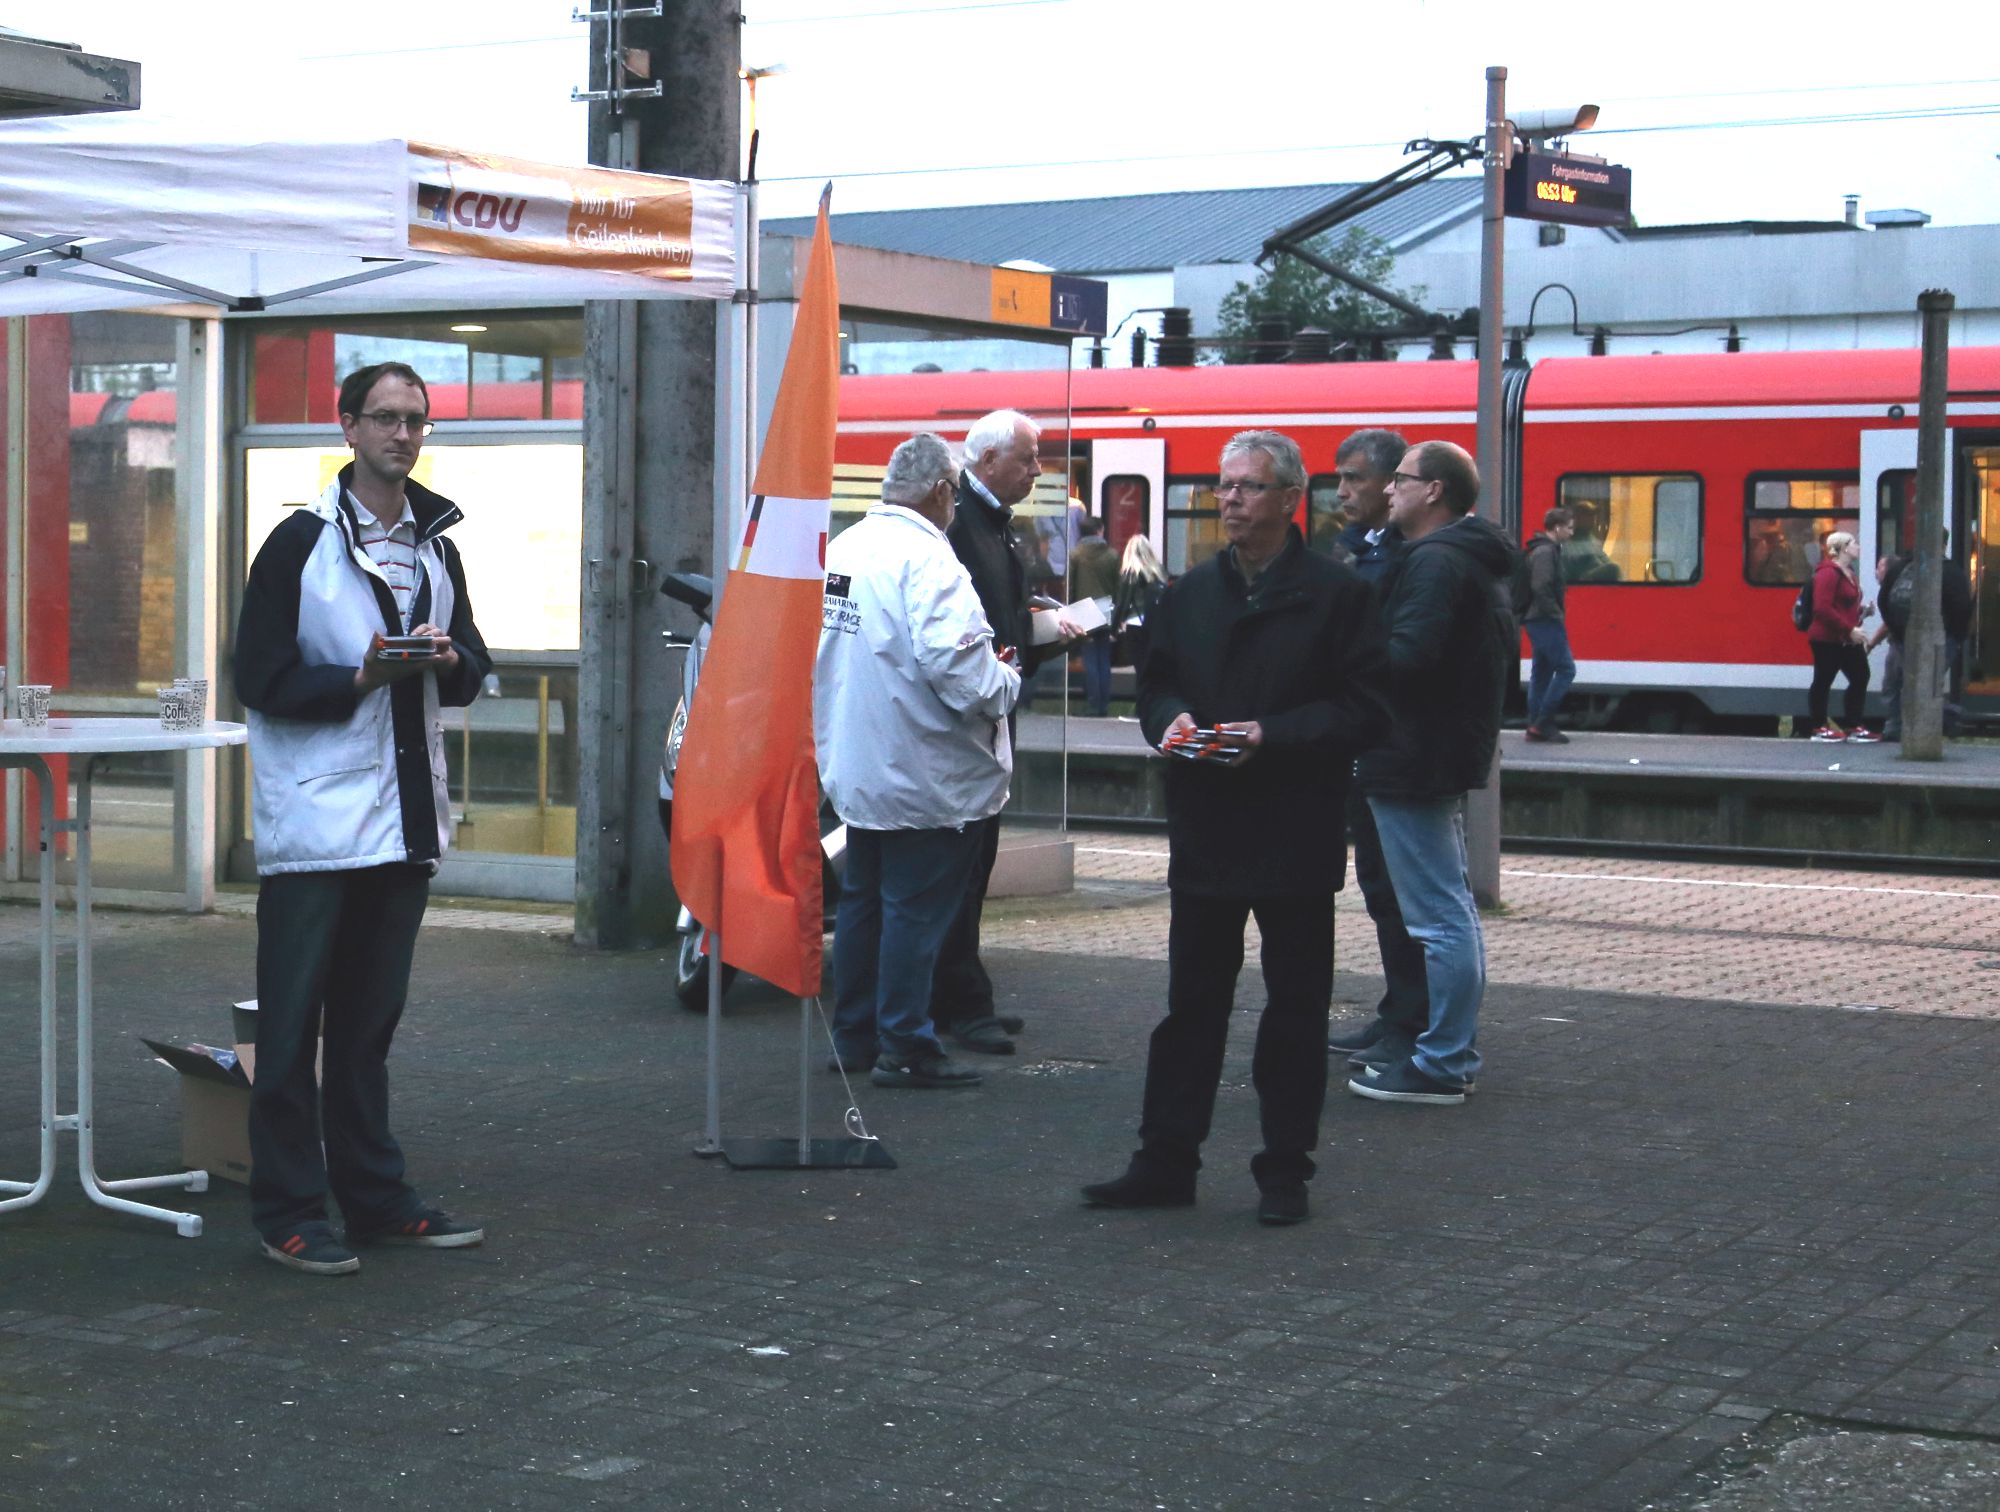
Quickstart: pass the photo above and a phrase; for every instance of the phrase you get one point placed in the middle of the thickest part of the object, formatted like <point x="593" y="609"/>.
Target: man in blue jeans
<point x="1449" y="622"/>
<point x="1539" y="602"/>
<point x="910" y="701"/>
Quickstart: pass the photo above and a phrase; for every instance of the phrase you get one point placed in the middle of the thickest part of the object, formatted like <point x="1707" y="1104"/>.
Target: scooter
<point x="691" y="959"/>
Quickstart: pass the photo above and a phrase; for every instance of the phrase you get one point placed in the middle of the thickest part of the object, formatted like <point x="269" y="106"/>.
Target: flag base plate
<point x="821" y="1155"/>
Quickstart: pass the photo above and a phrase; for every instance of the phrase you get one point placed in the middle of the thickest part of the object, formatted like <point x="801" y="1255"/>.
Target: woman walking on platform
<point x="1141" y="581"/>
<point x="1838" y="645"/>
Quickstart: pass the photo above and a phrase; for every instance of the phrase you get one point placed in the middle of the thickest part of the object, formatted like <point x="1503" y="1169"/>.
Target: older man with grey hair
<point x="1264" y="677"/>
<point x="910" y="704"/>
<point x="1001" y="465"/>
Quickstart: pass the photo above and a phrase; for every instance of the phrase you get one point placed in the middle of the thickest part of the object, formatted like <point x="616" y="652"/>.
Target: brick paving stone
<point x="1656" y="1223"/>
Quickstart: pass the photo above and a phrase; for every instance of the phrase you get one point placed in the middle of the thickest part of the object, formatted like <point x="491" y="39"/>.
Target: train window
<point x="1323" y="516"/>
<point x="1194" y="524"/>
<point x="1896" y="511"/>
<point x="1632" y="528"/>
<point x="1127" y="509"/>
<point x="1786" y="517"/>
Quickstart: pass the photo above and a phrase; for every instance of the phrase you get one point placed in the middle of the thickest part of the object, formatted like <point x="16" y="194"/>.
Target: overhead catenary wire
<point x="1947" y="112"/>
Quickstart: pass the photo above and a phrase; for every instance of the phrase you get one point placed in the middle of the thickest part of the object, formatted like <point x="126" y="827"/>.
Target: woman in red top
<point x="1838" y="645"/>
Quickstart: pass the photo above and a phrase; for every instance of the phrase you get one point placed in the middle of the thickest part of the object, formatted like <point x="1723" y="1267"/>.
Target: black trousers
<point x="961" y="991"/>
<point x="1288" y="1067"/>
<point x="1406" y="996"/>
<point x="333" y="957"/>
<point x="1848" y="660"/>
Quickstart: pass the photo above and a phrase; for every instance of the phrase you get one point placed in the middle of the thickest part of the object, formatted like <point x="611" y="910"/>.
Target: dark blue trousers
<point x="333" y="958"/>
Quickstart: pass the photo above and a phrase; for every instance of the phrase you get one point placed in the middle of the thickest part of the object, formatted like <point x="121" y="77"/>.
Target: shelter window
<point x="1785" y="519"/>
<point x="1632" y="529"/>
<point x="1194" y="524"/>
<point x="513" y="365"/>
<point x="1896" y="512"/>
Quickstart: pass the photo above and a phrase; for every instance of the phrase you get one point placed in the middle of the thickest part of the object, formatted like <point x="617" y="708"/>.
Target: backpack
<point x="1802" y="607"/>
<point x="1900" y="598"/>
<point x="1523" y="596"/>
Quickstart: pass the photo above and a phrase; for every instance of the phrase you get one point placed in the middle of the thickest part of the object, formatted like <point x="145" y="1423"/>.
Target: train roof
<point x="1876" y="376"/>
<point x="1250" y="389"/>
<point x="1866" y="377"/>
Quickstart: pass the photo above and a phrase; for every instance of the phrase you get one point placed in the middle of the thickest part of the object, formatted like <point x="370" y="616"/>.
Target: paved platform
<point x="1671" y="1212"/>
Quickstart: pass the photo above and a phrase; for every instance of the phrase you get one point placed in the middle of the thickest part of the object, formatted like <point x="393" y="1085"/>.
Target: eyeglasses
<point x="1248" y="490"/>
<point x="388" y="422"/>
<point x="1395" y="478"/>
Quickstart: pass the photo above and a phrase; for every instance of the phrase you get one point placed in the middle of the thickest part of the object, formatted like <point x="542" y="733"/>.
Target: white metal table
<point x="88" y="739"/>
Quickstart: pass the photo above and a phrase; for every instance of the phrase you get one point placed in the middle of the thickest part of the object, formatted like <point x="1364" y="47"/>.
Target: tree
<point x="1299" y="293"/>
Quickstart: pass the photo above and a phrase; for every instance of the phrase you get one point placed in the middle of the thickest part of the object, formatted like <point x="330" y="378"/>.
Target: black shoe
<point x="1354" y="1041"/>
<point x="1013" y="1023"/>
<point x="1140" y="1188"/>
<point x="981" y="1036"/>
<point x="1404" y="1083"/>
<point x="1394" y="1045"/>
<point x="1547" y="734"/>
<point x="431" y="1228"/>
<point x="1278" y="1206"/>
<point x="922" y="1071"/>
<point x="311" y="1247"/>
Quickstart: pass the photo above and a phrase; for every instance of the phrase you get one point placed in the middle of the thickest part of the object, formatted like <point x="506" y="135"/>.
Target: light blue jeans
<point x="1423" y="842"/>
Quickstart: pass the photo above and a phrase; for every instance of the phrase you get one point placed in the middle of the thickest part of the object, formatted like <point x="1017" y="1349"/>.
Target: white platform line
<point x="1823" y="887"/>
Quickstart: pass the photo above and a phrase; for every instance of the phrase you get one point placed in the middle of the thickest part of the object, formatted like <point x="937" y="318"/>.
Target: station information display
<point x="1570" y="191"/>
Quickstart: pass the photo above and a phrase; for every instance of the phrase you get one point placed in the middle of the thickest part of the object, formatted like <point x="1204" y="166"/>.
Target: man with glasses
<point x="356" y="628"/>
<point x="1447" y="612"/>
<point x="1364" y="464"/>
<point x="1263" y="677"/>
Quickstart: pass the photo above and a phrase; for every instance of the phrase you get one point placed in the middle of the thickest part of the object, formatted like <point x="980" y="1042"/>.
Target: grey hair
<point x="1381" y="449"/>
<point x="915" y="468"/>
<point x="1288" y="468"/>
<point x="991" y="432"/>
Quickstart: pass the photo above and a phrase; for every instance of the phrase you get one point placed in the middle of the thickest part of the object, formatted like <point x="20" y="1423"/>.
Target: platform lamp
<point x="1503" y="132"/>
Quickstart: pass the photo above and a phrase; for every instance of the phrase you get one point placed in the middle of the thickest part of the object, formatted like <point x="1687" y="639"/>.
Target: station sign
<point x="1050" y="301"/>
<point x="1570" y="191"/>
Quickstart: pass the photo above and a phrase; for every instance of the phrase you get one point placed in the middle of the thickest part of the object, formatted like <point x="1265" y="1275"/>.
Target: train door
<point x="1128" y="482"/>
<point x="1888" y="514"/>
<point x="1975" y="511"/>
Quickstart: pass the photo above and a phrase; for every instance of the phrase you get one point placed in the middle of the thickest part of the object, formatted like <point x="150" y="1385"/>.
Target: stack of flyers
<point x="1216" y="744"/>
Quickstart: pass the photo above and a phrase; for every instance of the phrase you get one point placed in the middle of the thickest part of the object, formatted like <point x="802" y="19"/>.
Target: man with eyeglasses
<point x="356" y="628"/>
<point x="1447" y="611"/>
<point x="1266" y="662"/>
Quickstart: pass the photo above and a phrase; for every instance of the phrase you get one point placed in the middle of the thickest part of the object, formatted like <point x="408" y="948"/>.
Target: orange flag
<point x="745" y="851"/>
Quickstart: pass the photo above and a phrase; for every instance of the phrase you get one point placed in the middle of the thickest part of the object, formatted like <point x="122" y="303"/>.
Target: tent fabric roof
<point x="1140" y="232"/>
<point x="135" y="210"/>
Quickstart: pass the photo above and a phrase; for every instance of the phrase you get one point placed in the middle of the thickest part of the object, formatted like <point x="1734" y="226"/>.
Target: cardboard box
<point x="215" y="1107"/>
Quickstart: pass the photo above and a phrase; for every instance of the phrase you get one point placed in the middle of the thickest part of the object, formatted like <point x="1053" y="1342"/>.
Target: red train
<point x="1703" y="486"/>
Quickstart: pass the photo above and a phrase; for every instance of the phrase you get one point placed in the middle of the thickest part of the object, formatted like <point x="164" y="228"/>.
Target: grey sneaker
<point x="311" y="1247"/>
<point x="927" y="1071"/>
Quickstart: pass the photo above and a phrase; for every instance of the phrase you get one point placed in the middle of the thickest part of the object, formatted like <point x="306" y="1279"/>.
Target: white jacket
<point x="909" y="702"/>
<point x="346" y="779"/>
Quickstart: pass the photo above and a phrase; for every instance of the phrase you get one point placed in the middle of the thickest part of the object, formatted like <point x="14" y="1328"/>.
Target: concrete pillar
<point x="649" y="476"/>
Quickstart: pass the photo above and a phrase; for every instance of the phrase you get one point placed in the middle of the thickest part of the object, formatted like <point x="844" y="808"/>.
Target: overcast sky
<point x="975" y="101"/>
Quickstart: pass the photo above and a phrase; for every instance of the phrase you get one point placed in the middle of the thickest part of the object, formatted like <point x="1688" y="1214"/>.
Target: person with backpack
<point x="1894" y="591"/>
<point x="1538" y="605"/>
<point x="1839" y="646"/>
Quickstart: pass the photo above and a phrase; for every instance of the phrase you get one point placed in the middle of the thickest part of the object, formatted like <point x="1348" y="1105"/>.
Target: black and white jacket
<point x="347" y="779"/>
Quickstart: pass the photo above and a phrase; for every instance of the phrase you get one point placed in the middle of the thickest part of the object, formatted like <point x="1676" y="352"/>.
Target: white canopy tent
<point x="122" y="212"/>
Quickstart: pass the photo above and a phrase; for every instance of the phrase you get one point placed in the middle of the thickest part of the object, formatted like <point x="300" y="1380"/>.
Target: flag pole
<point x="711" y="1141"/>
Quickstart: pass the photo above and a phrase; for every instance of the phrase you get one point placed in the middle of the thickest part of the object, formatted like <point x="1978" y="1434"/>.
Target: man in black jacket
<point x="1001" y="465"/>
<point x="1539" y="606"/>
<point x="1450" y="627"/>
<point x="1364" y="464"/>
<point x="1280" y="649"/>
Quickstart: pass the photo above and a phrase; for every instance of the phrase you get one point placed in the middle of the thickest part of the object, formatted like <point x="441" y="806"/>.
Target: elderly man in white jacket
<point x="910" y="701"/>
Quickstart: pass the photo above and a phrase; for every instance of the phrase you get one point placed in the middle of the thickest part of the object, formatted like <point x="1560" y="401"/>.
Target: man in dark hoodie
<point x="1280" y="649"/>
<point x="1447" y="613"/>
<point x="1540" y="606"/>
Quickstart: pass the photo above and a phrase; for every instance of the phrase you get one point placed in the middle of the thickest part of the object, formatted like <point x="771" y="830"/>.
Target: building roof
<point x="1139" y="232"/>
